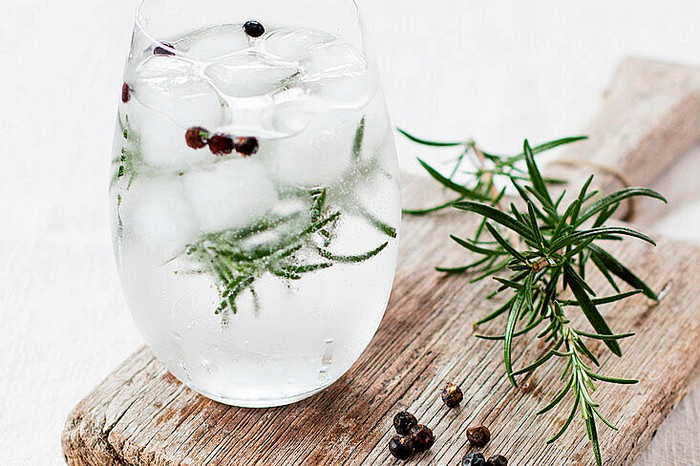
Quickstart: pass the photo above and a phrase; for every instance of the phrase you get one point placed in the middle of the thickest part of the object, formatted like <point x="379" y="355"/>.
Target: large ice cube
<point x="171" y="97"/>
<point x="335" y="59"/>
<point x="231" y="194"/>
<point x="250" y="74"/>
<point x="293" y="44"/>
<point x="289" y="118"/>
<point x="318" y="155"/>
<point x="157" y="217"/>
<point x="352" y="91"/>
<point x="219" y="42"/>
<point x="174" y="87"/>
<point x="338" y="76"/>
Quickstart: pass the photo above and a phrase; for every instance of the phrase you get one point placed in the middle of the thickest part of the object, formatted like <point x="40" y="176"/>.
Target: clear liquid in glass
<point x="257" y="279"/>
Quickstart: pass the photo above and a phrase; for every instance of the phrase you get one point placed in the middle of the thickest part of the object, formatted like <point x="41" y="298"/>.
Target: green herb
<point x="482" y="171"/>
<point x="237" y="260"/>
<point x="539" y="252"/>
<point x="358" y="140"/>
<point x="289" y="246"/>
<point x="128" y="163"/>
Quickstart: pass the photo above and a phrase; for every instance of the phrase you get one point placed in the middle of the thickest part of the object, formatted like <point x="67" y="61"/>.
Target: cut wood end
<point x="84" y="441"/>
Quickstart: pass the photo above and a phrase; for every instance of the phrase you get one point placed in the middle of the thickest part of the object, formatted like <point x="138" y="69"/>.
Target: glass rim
<point x="138" y="24"/>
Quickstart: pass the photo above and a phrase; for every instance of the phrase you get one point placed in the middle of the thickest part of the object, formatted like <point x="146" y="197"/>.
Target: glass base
<point x="259" y="403"/>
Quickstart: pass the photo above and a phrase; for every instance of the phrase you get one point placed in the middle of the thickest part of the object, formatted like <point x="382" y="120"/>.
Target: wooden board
<point x="140" y="415"/>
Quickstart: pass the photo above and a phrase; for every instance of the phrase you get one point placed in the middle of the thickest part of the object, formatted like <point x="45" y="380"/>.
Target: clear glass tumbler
<point x="255" y="197"/>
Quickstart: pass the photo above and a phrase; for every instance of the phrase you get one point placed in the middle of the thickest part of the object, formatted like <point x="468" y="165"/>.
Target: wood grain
<point x="140" y="415"/>
<point x="649" y="118"/>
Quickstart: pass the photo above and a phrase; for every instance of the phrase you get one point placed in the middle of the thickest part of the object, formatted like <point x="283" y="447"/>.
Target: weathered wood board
<point x="140" y="415"/>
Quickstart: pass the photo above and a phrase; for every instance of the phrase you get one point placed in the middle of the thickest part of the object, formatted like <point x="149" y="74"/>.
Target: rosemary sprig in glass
<point x="289" y="246"/>
<point x="540" y="254"/>
<point x="300" y="247"/>
<point x="129" y="161"/>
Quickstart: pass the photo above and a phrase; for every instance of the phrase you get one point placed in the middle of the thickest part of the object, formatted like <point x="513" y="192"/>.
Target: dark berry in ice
<point x="246" y="146"/>
<point x="197" y="137"/>
<point x="254" y="29"/>
<point x="126" y="93"/>
<point x="163" y="49"/>
<point x="221" y="144"/>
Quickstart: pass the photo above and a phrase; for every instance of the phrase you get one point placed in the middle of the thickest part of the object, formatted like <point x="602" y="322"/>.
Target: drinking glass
<point x="255" y="199"/>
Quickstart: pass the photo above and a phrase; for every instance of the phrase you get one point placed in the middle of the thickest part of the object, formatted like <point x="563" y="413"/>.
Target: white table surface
<point x="495" y="70"/>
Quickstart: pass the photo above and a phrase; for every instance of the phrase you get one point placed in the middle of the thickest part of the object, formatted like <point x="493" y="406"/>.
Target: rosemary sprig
<point x="237" y="261"/>
<point x="301" y="241"/>
<point x="539" y="254"/>
<point x="128" y="163"/>
<point x="478" y="181"/>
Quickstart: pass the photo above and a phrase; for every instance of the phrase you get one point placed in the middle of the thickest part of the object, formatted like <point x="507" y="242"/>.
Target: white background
<point x="495" y="70"/>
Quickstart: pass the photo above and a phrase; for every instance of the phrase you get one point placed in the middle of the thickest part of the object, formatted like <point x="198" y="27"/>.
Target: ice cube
<point x="162" y="140"/>
<point x="170" y="98"/>
<point x="219" y="42"/>
<point x="156" y="216"/>
<point x="293" y="44"/>
<point x="335" y="59"/>
<point x="175" y="88"/>
<point x="338" y="76"/>
<point x="289" y="118"/>
<point x="318" y="155"/>
<point x="250" y="74"/>
<point x="231" y="194"/>
<point x="352" y="91"/>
